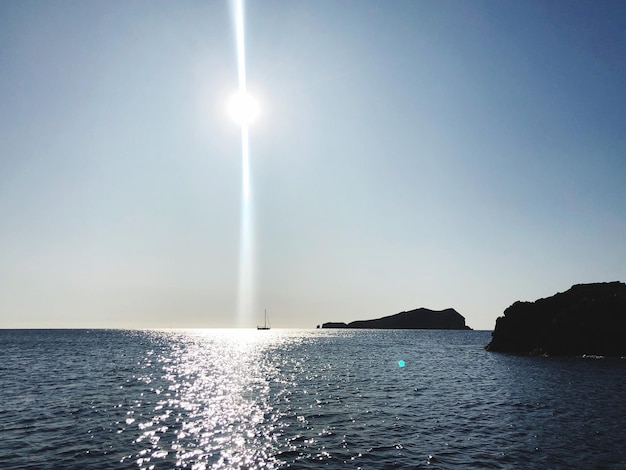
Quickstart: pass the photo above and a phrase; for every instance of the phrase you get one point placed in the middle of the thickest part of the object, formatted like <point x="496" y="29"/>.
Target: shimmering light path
<point x="246" y="293"/>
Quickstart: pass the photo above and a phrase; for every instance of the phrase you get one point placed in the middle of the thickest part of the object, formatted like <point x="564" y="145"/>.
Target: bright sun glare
<point x="243" y="108"/>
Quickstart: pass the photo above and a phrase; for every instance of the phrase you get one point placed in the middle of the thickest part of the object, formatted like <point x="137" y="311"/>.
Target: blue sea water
<point x="307" y="399"/>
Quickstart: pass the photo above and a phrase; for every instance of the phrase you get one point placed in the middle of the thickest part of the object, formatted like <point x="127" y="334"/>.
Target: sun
<point x="243" y="108"/>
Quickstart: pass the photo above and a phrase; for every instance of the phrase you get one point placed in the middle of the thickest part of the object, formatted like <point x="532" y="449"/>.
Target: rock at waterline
<point x="418" y="319"/>
<point x="587" y="319"/>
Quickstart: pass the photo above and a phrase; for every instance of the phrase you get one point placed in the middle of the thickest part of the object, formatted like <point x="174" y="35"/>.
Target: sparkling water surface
<point x="301" y="399"/>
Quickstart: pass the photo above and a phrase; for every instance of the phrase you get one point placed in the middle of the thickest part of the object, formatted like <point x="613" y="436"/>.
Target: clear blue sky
<point x="435" y="154"/>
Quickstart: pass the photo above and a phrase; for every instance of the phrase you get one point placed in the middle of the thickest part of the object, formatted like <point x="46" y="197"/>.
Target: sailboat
<point x="266" y="325"/>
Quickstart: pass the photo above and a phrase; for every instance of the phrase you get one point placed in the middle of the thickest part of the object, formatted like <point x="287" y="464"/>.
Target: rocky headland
<point x="418" y="319"/>
<point x="587" y="319"/>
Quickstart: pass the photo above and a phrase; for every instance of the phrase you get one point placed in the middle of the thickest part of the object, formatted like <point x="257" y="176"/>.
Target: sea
<point x="301" y="399"/>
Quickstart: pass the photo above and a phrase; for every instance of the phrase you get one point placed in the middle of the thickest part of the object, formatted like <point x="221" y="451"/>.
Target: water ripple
<point x="301" y="399"/>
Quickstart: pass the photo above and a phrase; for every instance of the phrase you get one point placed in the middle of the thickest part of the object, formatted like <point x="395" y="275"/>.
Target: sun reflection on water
<point x="208" y="405"/>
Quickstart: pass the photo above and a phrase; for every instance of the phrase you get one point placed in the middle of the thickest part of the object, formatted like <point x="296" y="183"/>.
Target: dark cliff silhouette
<point x="418" y="319"/>
<point x="588" y="319"/>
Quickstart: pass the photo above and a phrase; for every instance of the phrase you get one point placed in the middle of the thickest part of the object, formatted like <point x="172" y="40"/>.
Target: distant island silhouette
<point x="418" y="319"/>
<point x="587" y="319"/>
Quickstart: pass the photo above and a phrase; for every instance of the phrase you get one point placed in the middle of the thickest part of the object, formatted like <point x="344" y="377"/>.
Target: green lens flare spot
<point x="401" y="363"/>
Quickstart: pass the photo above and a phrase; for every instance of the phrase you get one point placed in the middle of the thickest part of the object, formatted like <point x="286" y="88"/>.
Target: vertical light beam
<point x="241" y="46"/>
<point x="245" y="300"/>
<point x="246" y="253"/>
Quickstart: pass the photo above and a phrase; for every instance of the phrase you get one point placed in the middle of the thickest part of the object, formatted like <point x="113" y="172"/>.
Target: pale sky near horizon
<point x="436" y="154"/>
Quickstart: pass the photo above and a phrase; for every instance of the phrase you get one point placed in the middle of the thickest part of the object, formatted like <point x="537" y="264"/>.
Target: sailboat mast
<point x="265" y="323"/>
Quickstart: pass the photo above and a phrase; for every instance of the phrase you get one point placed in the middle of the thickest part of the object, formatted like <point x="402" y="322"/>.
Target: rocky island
<point x="418" y="319"/>
<point x="587" y="319"/>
